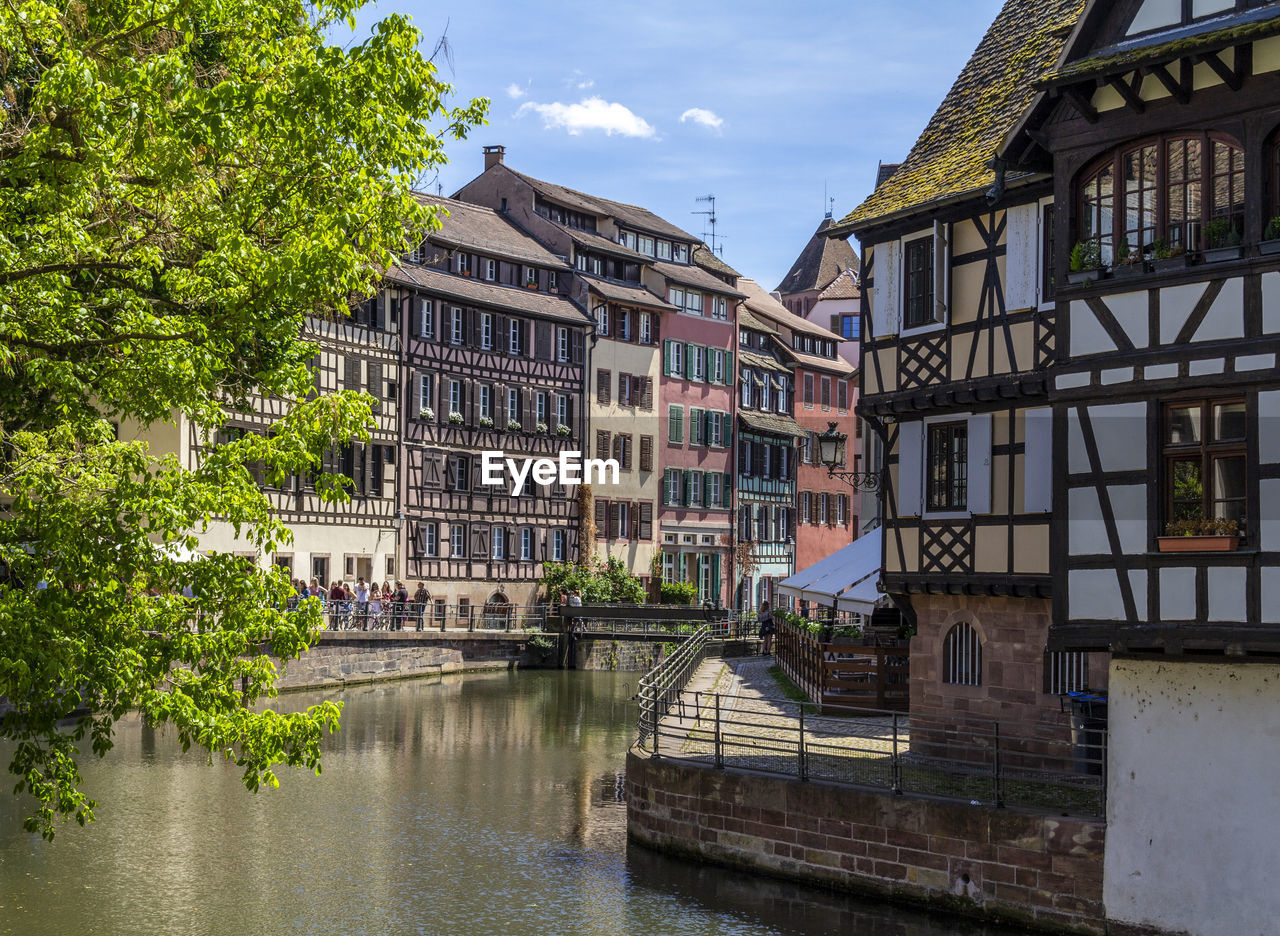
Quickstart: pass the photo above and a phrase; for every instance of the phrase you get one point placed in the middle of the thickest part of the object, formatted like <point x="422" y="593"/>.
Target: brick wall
<point x="1038" y="871"/>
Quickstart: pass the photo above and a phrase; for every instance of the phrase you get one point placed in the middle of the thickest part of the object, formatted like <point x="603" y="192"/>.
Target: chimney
<point x="493" y="155"/>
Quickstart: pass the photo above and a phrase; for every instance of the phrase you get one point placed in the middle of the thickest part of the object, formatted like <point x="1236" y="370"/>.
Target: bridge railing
<point x="660" y="688"/>
<point x="341" y="615"/>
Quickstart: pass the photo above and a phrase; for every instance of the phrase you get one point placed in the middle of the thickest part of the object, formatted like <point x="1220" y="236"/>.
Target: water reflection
<point x="469" y="805"/>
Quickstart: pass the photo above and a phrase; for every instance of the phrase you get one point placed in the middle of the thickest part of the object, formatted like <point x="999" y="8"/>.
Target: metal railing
<point x="976" y="761"/>
<point x="663" y="685"/>
<point x="869" y="673"/>
<point x="418" y="616"/>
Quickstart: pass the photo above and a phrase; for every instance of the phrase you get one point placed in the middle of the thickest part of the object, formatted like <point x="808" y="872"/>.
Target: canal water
<point x="476" y="804"/>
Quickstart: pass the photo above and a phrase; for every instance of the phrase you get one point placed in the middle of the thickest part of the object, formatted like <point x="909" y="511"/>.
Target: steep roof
<point x="694" y="276"/>
<point x="487" y="231"/>
<point x="763" y="306"/>
<point x="631" y="216"/>
<point x="627" y="295"/>
<point x="821" y="261"/>
<point x="703" y="257"/>
<point x="844" y="286"/>
<point x="952" y="156"/>
<point x="492" y="295"/>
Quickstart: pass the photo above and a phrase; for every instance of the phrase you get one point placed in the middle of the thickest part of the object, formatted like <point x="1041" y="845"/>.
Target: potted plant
<point x="513" y="425"/>
<point x="1128" y="261"/>
<point x="540" y="428"/>
<point x="1166" y="257"/>
<point x="486" y="422"/>
<point x="1221" y="241"/>
<point x="563" y="430"/>
<point x="1271" y="238"/>
<point x="1200" y="534"/>
<point x="1086" y="262"/>
<point x="455" y="418"/>
<point x="428" y="414"/>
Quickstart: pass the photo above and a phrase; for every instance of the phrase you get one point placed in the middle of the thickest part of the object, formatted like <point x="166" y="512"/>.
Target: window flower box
<point x="1172" y="264"/>
<point x="455" y="418"/>
<point x="428" y="414"/>
<point x="486" y="422"/>
<point x="1269" y="248"/>
<point x="1081" y="277"/>
<point x="563" y="430"/>
<point x="1129" y="269"/>
<point x="540" y="428"/>
<point x="1220" y="254"/>
<point x="1198" y="543"/>
<point x="513" y="425"/>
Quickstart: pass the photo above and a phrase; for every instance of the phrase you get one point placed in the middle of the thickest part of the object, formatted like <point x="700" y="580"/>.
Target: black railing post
<point x="995" y="771"/>
<point x="895" y="765"/>
<point x="804" y="773"/>
<point x="719" y="744"/>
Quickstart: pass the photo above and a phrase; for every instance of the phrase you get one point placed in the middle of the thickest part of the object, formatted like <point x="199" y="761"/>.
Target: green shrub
<point x="679" y="593"/>
<point x="598" y="583"/>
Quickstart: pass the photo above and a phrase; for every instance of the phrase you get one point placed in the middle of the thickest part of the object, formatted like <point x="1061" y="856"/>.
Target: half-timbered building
<point x="1161" y="125"/>
<point x="957" y="334"/>
<point x="494" y="361"/>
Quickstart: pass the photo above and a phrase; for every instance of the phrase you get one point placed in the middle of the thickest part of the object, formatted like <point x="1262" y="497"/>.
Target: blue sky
<point x="759" y="103"/>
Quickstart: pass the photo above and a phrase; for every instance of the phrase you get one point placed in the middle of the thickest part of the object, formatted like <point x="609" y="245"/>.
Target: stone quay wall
<point x="345" y="657"/>
<point x="1040" y="872"/>
<point x="617" y="655"/>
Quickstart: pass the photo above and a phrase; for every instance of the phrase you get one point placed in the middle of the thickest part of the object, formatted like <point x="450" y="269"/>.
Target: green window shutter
<point x="728" y="369"/>
<point x="706" y="489"/>
<point x="695" y="426"/>
<point x="688" y="487"/>
<point x="707" y="437"/>
<point x="688" y="362"/>
<point x="666" y="358"/>
<point x="675" y="423"/>
<point x="724" y="492"/>
<point x="715" y="576"/>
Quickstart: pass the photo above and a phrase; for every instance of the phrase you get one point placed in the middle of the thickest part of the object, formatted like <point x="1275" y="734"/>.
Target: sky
<point x="767" y="106"/>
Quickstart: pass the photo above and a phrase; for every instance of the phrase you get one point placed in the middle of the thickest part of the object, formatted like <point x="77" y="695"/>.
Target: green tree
<point x="597" y="581"/>
<point x="182" y="183"/>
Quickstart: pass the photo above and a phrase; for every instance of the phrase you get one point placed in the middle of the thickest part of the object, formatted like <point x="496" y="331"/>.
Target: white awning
<point x="845" y="580"/>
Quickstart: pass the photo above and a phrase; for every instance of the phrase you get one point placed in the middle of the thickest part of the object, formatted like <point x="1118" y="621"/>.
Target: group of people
<point x="366" y="606"/>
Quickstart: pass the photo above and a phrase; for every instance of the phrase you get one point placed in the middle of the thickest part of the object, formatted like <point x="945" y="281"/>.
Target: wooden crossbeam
<point x="1129" y="92"/>
<point x="1082" y="105"/>
<point x="1230" y="77"/>
<point x="1180" y="92"/>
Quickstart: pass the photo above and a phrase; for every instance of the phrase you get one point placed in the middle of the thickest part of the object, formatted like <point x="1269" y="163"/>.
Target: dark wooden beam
<point x="1229" y="76"/>
<point x="1180" y="92"/>
<point x="1131" y="92"/>
<point x="1081" y="104"/>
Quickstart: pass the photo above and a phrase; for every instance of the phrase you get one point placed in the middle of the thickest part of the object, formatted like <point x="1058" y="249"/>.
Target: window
<point x="948" y="466"/>
<point x="849" y="327"/>
<point x="1065" y="671"/>
<point x="455" y="325"/>
<point x="486" y="402"/>
<point x="622" y="447"/>
<point x="513" y="338"/>
<point x="695" y="426"/>
<point x="918" y="283"/>
<point x="557" y="546"/>
<point x="460" y="477"/>
<point x="645" y="245"/>
<point x="553" y="282"/>
<point x="698" y="358"/>
<point x="822" y="510"/>
<point x="842" y="395"/>
<point x="624" y="390"/>
<point x="746" y="388"/>
<point x="498" y="543"/>
<point x="531" y="277"/>
<point x="695" y="489"/>
<point x="624" y="324"/>
<point x="766" y="393"/>
<point x="604" y="381"/>
<point x="675" y="359"/>
<point x="720" y="308"/>
<point x="429" y="534"/>
<point x="513" y="405"/>
<point x="491" y="270"/>
<point x="562" y="410"/>
<point x="1181" y="190"/>
<point x="463" y="263"/>
<point x="562" y="344"/>
<point x="825" y="399"/>
<point x="457" y="540"/>
<point x="1204" y="461"/>
<point x="671" y="488"/>
<point x="455" y="397"/>
<point x="668" y="567"/>
<point x="624" y="519"/>
<point x="841" y="501"/>
<point x="646" y="329"/>
<point x="540" y="403"/>
<point x="675" y="296"/>
<point x="962" y="656"/>
<point x="693" y="302"/>
<point x="426" y="321"/>
<point x="804" y="506"/>
<point x="681" y="254"/>
<point x="627" y="239"/>
<point x="526" y="544"/>
<point x="602" y="320"/>
<point x="675" y="424"/>
<point x="715" y="482"/>
<point x="424" y="391"/>
<point x="486" y="331"/>
<point x="808" y="390"/>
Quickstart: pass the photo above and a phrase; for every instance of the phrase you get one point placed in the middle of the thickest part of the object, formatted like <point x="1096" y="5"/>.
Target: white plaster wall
<point x="1193" y="762"/>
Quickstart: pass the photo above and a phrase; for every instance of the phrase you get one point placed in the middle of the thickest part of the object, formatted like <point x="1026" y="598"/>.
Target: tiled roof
<point x="703" y="257"/>
<point x="1217" y="33"/>
<point x="771" y="422"/>
<point x="821" y="261"/>
<point x="844" y="286"/>
<point x="837" y="365"/>
<point x="493" y="295"/>
<point x="762" y="305"/>
<point x="695" y="277"/>
<point x="487" y="231"/>
<point x="747" y="320"/>
<point x="627" y="295"/>
<point x="951" y="158"/>
<point x="884" y="170"/>
<point x="631" y="216"/>
<point x="762" y="361"/>
<point x="600" y="242"/>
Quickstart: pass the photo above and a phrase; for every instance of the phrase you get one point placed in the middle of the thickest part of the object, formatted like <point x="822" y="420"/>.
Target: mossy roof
<point x="1155" y="49"/>
<point x="952" y="156"/>
<point x="819" y="264"/>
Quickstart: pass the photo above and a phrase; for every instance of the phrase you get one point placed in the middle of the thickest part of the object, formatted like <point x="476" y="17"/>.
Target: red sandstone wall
<point x="1039" y="871"/>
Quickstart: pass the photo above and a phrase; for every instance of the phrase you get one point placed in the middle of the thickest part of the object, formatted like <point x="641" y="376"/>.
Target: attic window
<point x="918" y="283"/>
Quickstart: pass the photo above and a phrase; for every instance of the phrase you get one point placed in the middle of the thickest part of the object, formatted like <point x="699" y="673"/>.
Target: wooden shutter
<point x="613" y="520"/>
<point x="646" y="453"/>
<point x="646" y="393"/>
<point x="450" y="470"/>
<point x="530" y="415"/>
<point x="479" y="541"/>
<point x="646" y="521"/>
<point x="351" y="374"/>
<point x="688" y="361"/>
<point x="469" y="402"/>
<point x="602" y="443"/>
<point x="666" y="357"/>
<point x="542" y="341"/>
<point x="688" y="487"/>
<point x="603" y="379"/>
<point x="433" y="470"/>
<point x="726" y="492"/>
<point x="375" y="383"/>
<point x="471" y="328"/>
<point x="979" y="483"/>
<point x="415" y="393"/>
<point x="602" y="514"/>
<point x="627" y="445"/>
<point x="415" y="318"/>
<point x="576" y="346"/>
<point x="757" y="460"/>
<point x="910" y="468"/>
<point x="377" y="320"/>
<point x="941" y="270"/>
<point x="1037" y="462"/>
<point x="706" y="489"/>
<point x="744" y="458"/>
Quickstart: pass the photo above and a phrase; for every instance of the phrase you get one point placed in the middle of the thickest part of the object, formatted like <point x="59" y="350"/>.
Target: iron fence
<point x="664" y="685"/>
<point x="982" y="762"/>
<point x="417" y="616"/>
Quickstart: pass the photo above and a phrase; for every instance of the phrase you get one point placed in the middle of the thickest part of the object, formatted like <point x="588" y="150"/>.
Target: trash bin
<point x="1088" y="731"/>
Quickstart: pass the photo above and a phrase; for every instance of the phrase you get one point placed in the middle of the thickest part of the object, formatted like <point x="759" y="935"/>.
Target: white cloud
<point x="584" y="85"/>
<point x="593" y="113"/>
<point x="514" y="91"/>
<point x="702" y="116"/>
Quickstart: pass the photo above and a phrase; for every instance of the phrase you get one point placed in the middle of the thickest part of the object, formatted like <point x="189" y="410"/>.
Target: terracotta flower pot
<point x="1199" y="543"/>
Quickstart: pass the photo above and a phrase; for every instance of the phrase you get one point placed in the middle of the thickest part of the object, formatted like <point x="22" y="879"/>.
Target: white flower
<point x="428" y="414"/>
<point x="541" y="427"/>
<point x="513" y="425"/>
<point x="455" y="417"/>
<point x="563" y="430"/>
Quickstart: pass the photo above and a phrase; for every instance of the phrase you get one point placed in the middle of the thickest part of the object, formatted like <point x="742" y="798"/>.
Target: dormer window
<point x="1178" y="191"/>
<point x="681" y="253"/>
<point x="664" y="250"/>
<point x="531" y="277"/>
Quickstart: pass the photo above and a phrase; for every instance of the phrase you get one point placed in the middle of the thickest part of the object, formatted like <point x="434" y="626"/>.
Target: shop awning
<point x="845" y="580"/>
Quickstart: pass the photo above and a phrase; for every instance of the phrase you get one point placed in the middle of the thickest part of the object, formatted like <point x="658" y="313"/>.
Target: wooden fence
<point x="844" y="674"/>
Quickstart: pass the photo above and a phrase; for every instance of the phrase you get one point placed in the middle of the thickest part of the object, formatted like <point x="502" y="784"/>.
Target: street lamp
<point x="831" y="452"/>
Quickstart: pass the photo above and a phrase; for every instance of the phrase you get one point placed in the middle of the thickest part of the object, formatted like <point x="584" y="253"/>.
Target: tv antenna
<point x="829" y="201"/>
<point x="711" y="218"/>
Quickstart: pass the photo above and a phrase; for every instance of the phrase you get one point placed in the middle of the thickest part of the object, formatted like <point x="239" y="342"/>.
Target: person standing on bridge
<point x="765" y="617"/>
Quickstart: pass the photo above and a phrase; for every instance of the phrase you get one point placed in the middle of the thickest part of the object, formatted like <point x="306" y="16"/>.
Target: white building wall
<point x="1193" y="767"/>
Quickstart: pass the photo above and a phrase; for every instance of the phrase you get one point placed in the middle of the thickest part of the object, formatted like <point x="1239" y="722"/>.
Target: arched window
<point x="497" y="612"/>
<point x="962" y="656"/>
<point x="1176" y="192"/>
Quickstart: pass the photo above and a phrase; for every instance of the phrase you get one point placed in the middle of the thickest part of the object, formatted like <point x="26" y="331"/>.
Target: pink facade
<point x="826" y="507"/>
